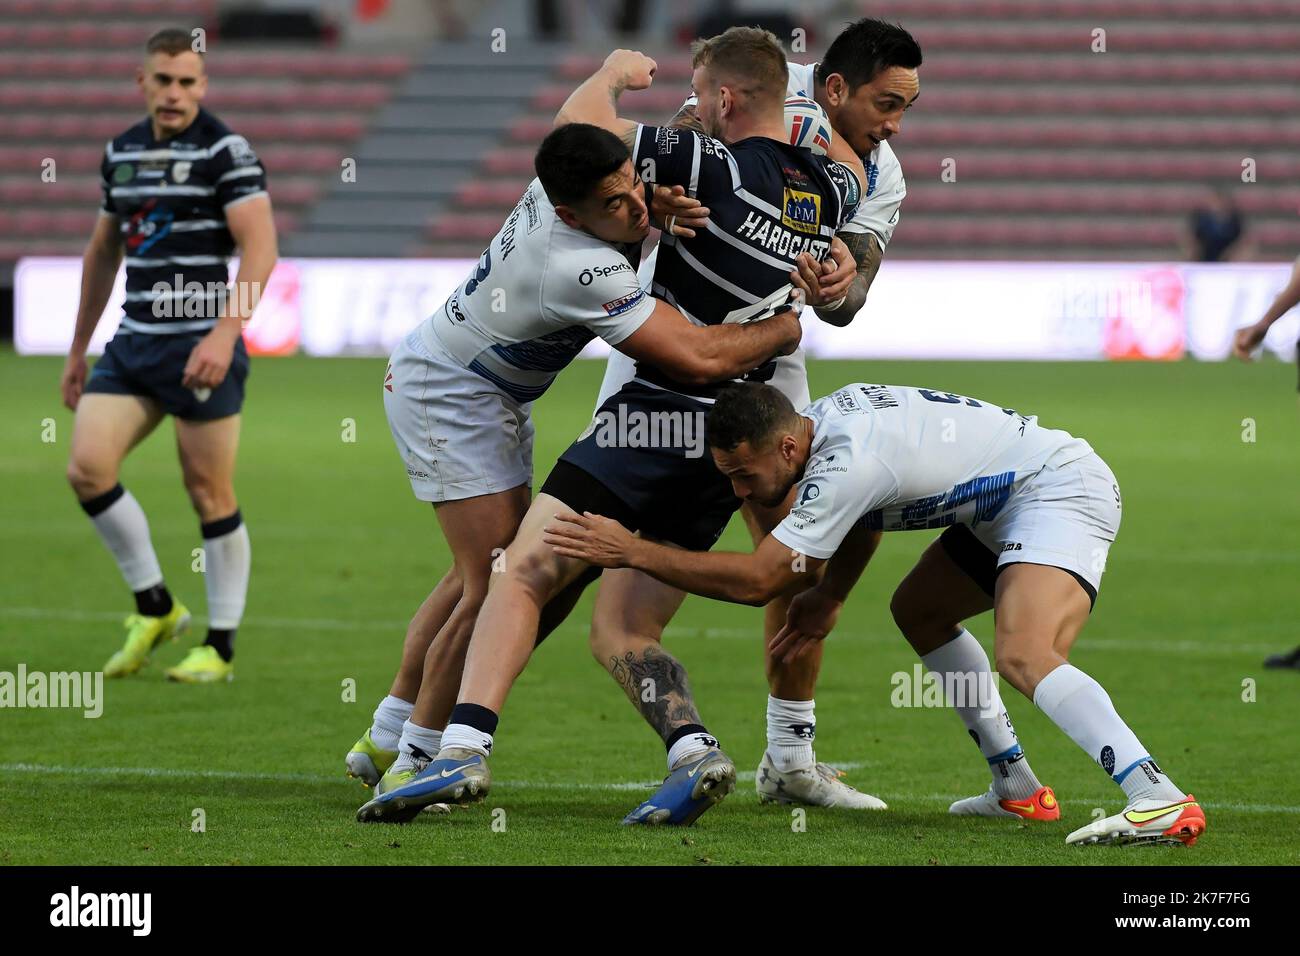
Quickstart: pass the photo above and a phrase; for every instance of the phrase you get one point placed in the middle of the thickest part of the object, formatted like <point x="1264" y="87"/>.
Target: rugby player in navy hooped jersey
<point x="769" y="203"/>
<point x="865" y="82"/>
<point x="181" y="192"/>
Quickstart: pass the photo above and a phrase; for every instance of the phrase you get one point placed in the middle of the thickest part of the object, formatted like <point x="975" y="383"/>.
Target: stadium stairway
<point x="62" y="97"/>
<point x="1059" y="152"/>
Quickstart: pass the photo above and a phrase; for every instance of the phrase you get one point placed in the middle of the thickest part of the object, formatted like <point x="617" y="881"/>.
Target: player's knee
<point x="1014" y="664"/>
<point x="88" y="481"/>
<point x="910" y="614"/>
<point x="211" y="499"/>
<point x="606" y="641"/>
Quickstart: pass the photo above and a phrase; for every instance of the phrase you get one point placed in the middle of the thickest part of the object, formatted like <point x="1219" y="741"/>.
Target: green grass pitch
<point x="1201" y="586"/>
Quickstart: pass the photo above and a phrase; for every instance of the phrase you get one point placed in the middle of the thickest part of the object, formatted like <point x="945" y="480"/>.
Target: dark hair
<point x="172" y="41"/>
<point x="574" y="158"/>
<point x="865" y="49"/>
<point x="748" y="412"/>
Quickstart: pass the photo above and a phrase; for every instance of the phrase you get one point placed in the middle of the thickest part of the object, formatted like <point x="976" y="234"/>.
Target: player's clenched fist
<point x="634" y="70"/>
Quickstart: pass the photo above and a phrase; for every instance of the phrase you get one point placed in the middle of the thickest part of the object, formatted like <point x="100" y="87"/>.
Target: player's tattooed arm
<point x="688" y="117"/>
<point x="596" y="100"/>
<point x="656" y="684"/>
<point x="753" y="579"/>
<point x="867" y="253"/>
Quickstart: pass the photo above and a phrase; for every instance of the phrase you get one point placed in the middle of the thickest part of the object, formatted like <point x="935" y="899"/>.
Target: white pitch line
<point x="174" y="773"/>
<point x="398" y="627"/>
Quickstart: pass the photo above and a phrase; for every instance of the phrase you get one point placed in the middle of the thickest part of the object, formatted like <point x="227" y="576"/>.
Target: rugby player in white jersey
<point x="770" y="202"/>
<point x="865" y="82"/>
<point x="459" y="389"/>
<point x="1030" y="514"/>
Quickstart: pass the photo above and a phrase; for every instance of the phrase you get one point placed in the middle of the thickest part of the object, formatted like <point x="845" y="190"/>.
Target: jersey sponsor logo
<point x="665" y="140"/>
<point x="591" y="273"/>
<point x="123" y="173"/>
<point x="847" y="403"/>
<point x="1012" y="546"/>
<point x="810" y="493"/>
<point x="530" y="207"/>
<point x="181" y="172"/>
<point x="150" y="223"/>
<point x="802" y="211"/>
<point x="765" y="233"/>
<point x="620" y="305"/>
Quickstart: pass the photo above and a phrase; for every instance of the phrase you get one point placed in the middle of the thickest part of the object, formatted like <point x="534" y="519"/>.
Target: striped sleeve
<point x="236" y="172"/>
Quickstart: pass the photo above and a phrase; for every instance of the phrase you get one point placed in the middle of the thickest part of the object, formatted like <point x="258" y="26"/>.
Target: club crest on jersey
<point x="181" y="172"/>
<point x="802" y="211"/>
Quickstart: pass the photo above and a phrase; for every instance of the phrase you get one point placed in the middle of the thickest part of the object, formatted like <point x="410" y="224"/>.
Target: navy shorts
<point x="151" y="366"/>
<point x="643" y="461"/>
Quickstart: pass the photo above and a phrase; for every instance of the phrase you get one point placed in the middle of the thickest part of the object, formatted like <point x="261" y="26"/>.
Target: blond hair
<point x="746" y="58"/>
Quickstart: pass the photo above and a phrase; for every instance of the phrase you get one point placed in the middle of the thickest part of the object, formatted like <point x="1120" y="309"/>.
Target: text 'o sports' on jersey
<point x="899" y="458"/>
<point x="170" y="198"/>
<point x="768" y="202"/>
<point x="540" y="292"/>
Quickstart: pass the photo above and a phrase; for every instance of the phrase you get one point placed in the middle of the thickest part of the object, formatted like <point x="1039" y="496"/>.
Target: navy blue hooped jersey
<point x="768" y="202"/>
<point x="170" y="198"/>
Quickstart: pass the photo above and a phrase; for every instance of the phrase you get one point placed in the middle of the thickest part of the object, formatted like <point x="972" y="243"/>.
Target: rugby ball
<point x="807" y="125"/>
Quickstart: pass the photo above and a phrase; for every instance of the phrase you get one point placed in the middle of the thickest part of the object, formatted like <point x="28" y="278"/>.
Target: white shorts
<point x="1066" y="517"/>
<point x="459" y="436"/>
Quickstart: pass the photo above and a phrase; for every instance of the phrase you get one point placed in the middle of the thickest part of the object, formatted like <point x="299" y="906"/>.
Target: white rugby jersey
<point x="899" y="458"/>
<point x="878" y="210"/>
<point x="540" y="292"/>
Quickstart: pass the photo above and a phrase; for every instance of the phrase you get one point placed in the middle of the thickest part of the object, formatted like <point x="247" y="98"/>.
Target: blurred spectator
<point x="1216" y="226"/>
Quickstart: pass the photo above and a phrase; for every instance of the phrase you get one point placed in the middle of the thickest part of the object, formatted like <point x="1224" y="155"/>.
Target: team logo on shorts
<point x="802" y="211"/>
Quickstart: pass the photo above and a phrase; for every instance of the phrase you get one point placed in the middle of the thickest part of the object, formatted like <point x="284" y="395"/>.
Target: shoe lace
<point x="831" y="775"/>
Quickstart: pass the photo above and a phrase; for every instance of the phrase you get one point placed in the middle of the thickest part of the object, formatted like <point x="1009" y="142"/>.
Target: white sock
<point x="791" y="730"/>
<point x="963" y="666"/>
<point x="124" y="529"/>
<point x="414" y="737"/>
<point x="1081" y="707"/>
<point x="390" y="715"/>
<point x="227" y="557"/>
<point x="470" y="738"/>
<point x="690" y="745"/>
